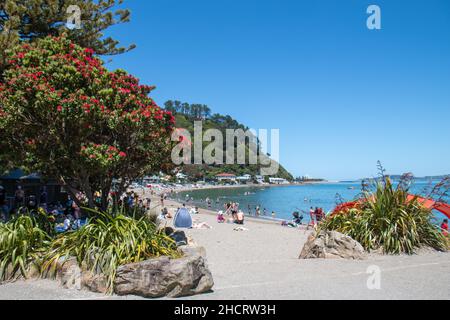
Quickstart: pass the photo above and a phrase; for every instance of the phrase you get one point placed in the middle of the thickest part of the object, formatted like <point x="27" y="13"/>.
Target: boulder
<point x="71" y="276"/>
<point x="94" y="282"/>
<point x="68" y="273"/>
<point x="191" y="250"/>
<point x="163" y="276"/>
<point x="332" y="245"/>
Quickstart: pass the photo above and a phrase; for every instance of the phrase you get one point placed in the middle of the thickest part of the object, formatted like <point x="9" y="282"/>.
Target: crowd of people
<point x="65" y="214"/>
<point x="231" y="214"/>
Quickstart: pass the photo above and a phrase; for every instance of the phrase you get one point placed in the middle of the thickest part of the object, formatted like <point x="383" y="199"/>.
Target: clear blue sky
<point x="342" y="96"/>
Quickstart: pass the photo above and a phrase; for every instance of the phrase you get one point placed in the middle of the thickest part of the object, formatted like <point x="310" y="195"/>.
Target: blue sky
<point x="342" y="96"/>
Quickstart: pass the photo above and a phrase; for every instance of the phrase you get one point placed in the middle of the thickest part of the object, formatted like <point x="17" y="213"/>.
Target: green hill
<point x="186" y="114"/>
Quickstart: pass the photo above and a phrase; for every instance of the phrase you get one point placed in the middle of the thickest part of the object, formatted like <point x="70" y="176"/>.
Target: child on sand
<point x="220" y="217"/>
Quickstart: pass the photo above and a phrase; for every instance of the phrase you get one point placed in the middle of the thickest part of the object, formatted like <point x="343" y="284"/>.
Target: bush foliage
<point x="108" y="241"/>
<point x="387" y="220"/>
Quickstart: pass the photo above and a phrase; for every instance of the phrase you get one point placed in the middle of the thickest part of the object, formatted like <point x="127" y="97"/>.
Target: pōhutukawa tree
<point x="65" y="115"/>
<point x="29" y="20"/>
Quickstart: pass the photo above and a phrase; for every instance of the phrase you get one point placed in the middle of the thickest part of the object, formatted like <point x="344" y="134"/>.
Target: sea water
<point x="284" y="200"/>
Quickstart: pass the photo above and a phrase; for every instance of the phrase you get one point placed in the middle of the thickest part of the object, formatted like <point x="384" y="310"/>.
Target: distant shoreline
<point x="253" y="185"/>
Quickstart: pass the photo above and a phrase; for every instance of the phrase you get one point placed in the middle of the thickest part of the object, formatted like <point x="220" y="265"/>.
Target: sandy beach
<point x="262" y="263"/>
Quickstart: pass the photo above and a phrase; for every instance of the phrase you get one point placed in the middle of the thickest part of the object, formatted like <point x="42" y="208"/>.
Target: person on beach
<point x="162" y="199"/>
<point x="257" y="211"/>
<point x="194" y="210"/>
<point x="265" y="212"/>
<point x="320" y="215"/>
<point x="312" y="219"/>
<point x="43" y="198"/>
<point x="162" y="217"/>
<point x="297" y="218"/>
<point x="239" y="218"/>
<point x="295" y="222"/>
<point x="220" y="217"/>
<point x="166" y="213"/>
<point x="76" y="211"/>
<point x="444" y="227"/>
<point x="19" y="197"/>
<point x="4" y="212"/>
<point x="316" y="214"/>
<point x="249" y="210"/>
<point x="234" y="211"/>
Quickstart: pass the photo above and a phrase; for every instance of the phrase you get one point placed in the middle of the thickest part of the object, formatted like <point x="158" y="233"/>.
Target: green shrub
<point x="108" y="242"/>
<point x="21" y="242"/>
<point x="387" y="220"/>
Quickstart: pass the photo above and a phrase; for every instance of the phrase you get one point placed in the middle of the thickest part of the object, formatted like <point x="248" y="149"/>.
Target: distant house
<point x="259" y="179"/>
<point x="181" y="177"/>
<point x="244" y="179"/>
<point x="151" y="179"/>
<point x="226" y="177"/>
<point x="278" y="181"/>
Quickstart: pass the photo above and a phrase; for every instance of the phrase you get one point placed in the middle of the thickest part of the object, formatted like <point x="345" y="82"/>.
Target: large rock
<point x="332" y="245"/>
<point x="32" y="272"/>
<point x="94" y="282"/>
<point x="163" y="276"/>
<point x="71" y="276"/>
<point x="191" y="250"/>
<point x="68" y="273"/>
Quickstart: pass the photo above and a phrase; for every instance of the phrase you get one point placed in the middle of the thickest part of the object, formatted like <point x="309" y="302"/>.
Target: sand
<point x="262" y="263"/>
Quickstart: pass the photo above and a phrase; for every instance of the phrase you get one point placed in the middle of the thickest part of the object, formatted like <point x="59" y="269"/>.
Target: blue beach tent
<point x="182" y="219"/>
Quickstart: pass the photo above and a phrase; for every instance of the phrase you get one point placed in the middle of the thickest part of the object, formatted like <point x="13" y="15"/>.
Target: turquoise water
<point x="283" y="200"/>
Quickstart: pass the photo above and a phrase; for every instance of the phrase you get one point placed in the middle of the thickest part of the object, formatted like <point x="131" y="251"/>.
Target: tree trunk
<point x="105" y="193"/>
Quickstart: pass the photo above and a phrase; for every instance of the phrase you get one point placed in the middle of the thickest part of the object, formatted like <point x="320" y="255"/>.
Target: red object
<point x="444" y="228"/>
<point x="431" y="204"/>
<point x="427" y="203"/>
<point x="345" y="207"/>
